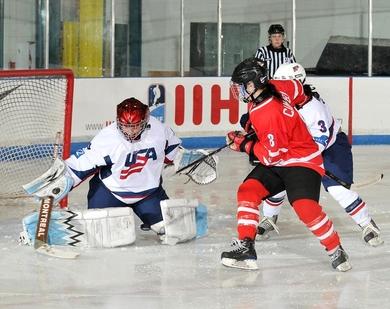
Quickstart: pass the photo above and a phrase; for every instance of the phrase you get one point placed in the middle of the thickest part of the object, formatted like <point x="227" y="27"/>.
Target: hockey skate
<point x="267" y="224"/>
<point x="241" y="255"/>
<point x="339" y="260"/>
<point x="371" y="234"/>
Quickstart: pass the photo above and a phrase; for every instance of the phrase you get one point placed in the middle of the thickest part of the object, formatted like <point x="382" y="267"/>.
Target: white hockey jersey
<point x="131" y="171"/>
<point x="320" y="122"/>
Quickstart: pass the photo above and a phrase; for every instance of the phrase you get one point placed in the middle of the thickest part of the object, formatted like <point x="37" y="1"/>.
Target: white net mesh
<point x="203" y="172"/>
<point x="32" y="111"/>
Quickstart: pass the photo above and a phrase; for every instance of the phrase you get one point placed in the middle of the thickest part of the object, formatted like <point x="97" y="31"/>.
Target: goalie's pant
<point x="147" y="209"/>
<point x="303" y="190"/>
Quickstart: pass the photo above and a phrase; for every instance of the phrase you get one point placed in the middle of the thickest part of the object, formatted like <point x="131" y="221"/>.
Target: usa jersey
<point x="321" y="123"/>
<point x="130" y="170"/>
<point x="283" y="138"/>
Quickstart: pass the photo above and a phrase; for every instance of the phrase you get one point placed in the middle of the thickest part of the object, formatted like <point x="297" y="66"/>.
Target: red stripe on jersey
<point x="248" y="217"/>
<point x="323" y="229"/>
<point x="357" y="209"/>
<point x="274" y="204"/>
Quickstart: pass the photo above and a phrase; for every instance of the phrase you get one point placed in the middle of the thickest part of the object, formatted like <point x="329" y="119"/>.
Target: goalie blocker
<point x="183" y="220"/>
<point x="55" y="183"/>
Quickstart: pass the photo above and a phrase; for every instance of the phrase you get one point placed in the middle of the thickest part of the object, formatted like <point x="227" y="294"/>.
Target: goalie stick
<point x="40" y="243"/>
<point x="364" y="184"/>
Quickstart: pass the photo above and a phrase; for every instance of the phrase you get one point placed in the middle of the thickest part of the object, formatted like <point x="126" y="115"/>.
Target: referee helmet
<point x="276" y="28"/>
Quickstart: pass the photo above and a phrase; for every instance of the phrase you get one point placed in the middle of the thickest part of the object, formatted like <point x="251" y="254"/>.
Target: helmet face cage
<point x="239" y="92"/>
<point x="291" y="71"/>
<point x="132" y="118"/>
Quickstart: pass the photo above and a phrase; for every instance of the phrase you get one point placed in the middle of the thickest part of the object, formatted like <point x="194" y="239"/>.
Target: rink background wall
<point x="201" y="110"/>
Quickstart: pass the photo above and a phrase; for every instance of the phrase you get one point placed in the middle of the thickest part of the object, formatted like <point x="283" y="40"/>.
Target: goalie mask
<point x="248" y="77"/>
<point x="132" y="118"/>
<point x="291" y="71"/>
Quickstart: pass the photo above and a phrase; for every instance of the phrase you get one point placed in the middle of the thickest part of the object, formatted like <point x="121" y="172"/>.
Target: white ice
<point x="294" y="270"/>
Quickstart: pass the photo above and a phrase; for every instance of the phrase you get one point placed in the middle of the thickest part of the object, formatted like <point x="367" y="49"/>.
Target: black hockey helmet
<point x="251" y="69"/>
<point x="276" y="28"/>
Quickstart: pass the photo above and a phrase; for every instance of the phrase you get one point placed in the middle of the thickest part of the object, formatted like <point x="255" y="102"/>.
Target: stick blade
<point x="48" y="250"/>
<point x="368" y="183"/>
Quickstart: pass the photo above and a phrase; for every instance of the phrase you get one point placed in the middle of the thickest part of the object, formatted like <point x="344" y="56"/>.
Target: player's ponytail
<point x="268" y="91"/>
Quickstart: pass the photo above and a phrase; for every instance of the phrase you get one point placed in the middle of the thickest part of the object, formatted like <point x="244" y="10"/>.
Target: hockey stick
<point x="201" y="159"/>
<point x="367" y="183"/>
<point x="41" y="235"/>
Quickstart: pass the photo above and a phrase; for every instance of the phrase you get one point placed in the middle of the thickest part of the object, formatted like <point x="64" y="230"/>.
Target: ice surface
<point x="294" y="271"/>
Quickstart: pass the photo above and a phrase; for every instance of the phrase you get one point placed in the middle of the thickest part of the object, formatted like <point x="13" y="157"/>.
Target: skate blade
<point x="246" y="264"/>
<point x="262" y="237"/>
<point x="344" y="266"/>
<point x="375" y="242"/>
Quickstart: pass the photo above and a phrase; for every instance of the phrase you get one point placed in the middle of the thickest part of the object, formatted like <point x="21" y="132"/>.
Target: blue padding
<point x="371" y="140"/>
<point x="201" y="220"/>
<point x="203" y="142"/>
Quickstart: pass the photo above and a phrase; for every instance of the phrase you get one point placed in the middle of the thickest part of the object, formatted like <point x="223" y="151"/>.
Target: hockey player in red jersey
<point x="336" y="153"/>
<point x="289" y="160"/>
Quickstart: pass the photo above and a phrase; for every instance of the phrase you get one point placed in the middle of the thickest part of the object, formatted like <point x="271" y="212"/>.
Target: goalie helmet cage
<point x="34" y="106"/>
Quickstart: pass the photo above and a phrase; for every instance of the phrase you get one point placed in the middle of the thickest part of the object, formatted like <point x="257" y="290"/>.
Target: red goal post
<point x="34" y="106"/>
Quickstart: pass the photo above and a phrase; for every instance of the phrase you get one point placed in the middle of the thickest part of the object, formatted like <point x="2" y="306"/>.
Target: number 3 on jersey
<point x="322" y="126"/>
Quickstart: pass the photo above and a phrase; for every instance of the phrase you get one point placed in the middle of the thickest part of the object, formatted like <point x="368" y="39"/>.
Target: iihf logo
<point x="157" y="101"/>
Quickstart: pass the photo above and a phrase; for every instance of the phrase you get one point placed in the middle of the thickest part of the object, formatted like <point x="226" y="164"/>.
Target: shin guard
<point x="248" y="216"/>
<point x="311" y="214"/>
<point x="250" y="194"/>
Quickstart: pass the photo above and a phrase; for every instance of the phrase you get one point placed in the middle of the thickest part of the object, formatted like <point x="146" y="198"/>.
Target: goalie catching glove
<point x="203" y="172"/>
<point x="239" y="141"/>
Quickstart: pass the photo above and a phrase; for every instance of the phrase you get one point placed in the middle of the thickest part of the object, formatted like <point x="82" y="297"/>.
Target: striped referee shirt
<point x="274" y="57"/>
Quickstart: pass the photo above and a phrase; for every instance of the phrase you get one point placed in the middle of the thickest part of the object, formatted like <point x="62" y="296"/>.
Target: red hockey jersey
<point x="291" y="91"/>
<point x="283" y="138"/>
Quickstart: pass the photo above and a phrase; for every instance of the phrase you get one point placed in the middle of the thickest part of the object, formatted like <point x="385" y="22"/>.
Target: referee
<point x="275" y="53"/>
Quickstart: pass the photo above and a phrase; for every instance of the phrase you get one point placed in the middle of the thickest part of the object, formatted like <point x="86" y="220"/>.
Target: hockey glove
<point x="239" y="142"/>
<point x="246" y="123"/>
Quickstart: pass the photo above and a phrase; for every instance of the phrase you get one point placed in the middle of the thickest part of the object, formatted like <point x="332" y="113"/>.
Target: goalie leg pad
<point x="94" y="228"/>
<point x="180" y="220"/>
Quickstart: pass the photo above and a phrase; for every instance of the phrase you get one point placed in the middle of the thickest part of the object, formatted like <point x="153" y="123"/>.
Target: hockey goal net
<point x="35" y="105"/>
